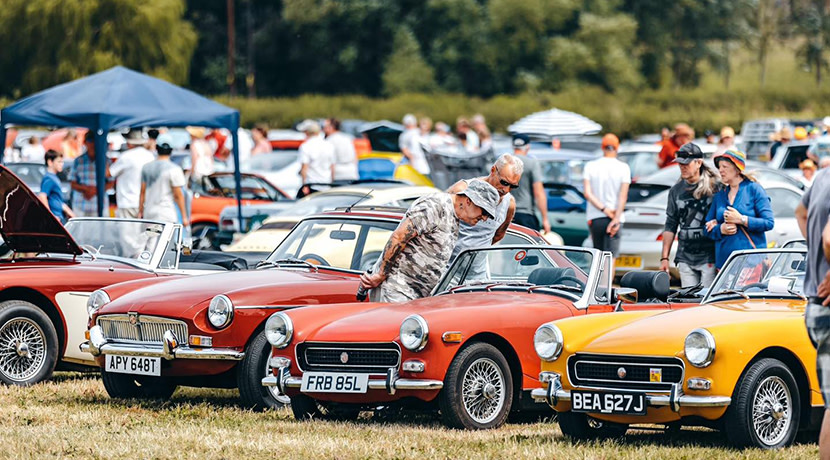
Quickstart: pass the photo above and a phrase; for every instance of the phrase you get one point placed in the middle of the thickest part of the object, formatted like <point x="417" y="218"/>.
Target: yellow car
<point x="741" y="362"/>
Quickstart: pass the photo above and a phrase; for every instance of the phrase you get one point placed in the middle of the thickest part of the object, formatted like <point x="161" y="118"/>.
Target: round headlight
<point x="279" y="329"/>
<point x="220" y="311"/>
<point x="97" y="300"/>
<point x="548" y="342"/>
<point x="700" y="348"/>
<point x="414" y="333"/>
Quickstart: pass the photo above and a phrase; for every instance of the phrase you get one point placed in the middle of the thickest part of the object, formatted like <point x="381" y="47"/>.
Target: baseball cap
<point x="687" y="153"/>
<point x="737" y="158"/>
<point x="521" y="141"/>
<point x="800" y="133"/>
<point x="727" y="131"/>
<point x="482" y="195"/>
<point x="309" y="126"/>
<point x="610" y="140"/>
<point x="164" y="144"/>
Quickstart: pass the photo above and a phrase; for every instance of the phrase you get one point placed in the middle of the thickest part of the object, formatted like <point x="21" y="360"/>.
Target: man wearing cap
<point x="504" y="177"/>
<point x="688" y="204"/>
<point x="410" y="144"/>
<point x="605" y="185"/>
<point x="418" y="250"/>
<point x="683" y="134"/>
<point x="317" y="157"/>
<point x="808" y="172"/>
<point x="727" y="139"/>
<point x="127" y="174"/>
<point x="161" y="186"/>
<point x="531" y="191"/>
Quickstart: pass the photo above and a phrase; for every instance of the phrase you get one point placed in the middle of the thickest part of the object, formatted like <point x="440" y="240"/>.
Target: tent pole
<point x="101" y="169"/>
<point x="237" y="176"/>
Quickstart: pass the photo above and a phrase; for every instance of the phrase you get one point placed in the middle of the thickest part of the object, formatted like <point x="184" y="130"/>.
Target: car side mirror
<point x="187" y="246"/>
<point x="625" y="296"/>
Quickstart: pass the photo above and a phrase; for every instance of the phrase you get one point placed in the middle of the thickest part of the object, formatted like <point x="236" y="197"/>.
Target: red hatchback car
<point x="209" y="332"/>
<point x="466" y="351"/>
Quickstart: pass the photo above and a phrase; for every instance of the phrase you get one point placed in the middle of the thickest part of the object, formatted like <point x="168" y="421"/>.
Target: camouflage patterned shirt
<point x="419" y="266"/>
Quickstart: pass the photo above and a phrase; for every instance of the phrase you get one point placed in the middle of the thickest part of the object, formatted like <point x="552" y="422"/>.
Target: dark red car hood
<point x="26" y="224"/>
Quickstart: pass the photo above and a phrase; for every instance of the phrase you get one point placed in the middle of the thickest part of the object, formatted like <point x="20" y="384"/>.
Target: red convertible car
<point x="209" y="331"/>
<point x="48" y="271"/>
<point x="466" y="351"/>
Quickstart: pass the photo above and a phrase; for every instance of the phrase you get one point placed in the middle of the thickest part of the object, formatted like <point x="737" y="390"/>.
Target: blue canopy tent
<point x="120" y="98"/>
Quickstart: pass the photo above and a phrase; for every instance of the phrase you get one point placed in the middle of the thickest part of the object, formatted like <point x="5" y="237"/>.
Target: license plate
<point x="139" y="365"/>
<point x="629" y="262"/>
<point x="334" y="382"/>
<point x="608" y="403"/>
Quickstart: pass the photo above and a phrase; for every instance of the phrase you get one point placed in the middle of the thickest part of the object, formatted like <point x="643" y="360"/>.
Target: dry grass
<point x="72" y="416"/>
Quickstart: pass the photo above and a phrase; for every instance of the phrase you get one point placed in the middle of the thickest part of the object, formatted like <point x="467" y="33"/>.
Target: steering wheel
<point x="575" y="280"/>
<point x="315" y="259"/>
<point x="761" y="285"/>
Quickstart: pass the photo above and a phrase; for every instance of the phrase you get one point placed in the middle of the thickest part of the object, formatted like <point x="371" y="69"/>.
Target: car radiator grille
<point x="145" y="329"/>
<point x="373" y="358"/>
<point x="625" y="372"/>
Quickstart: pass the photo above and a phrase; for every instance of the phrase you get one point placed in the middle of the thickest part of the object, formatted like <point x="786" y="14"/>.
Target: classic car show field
<point x="71" y="416"/>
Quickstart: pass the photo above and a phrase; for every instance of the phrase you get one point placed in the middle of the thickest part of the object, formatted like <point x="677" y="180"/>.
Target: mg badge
<point x="344" y="357"/>
<point x="655" y="374"/>
<point x="133" y="318"/>
<point x="621" y="373"/>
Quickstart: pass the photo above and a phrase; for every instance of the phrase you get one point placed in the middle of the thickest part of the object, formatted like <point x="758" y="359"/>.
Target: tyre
<point x="579" y="426"/>
<point x="204" y="236"/>
<point x="478" y="389"/>
<point x="249" y="376"/>
<point x="126" y="386"/>
<point x="766" y="407"/>
<point x="28" y="344"/>
<point x="306" y="408"/>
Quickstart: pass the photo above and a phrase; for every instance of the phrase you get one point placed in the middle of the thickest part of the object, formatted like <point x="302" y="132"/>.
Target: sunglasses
<point x="505" y="183"/>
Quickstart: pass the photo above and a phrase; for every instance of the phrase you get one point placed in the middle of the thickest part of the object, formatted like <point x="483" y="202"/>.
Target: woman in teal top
<point x="740" y="212"/>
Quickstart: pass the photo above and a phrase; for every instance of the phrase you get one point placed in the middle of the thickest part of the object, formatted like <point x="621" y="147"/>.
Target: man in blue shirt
<point x="50" y="187"/>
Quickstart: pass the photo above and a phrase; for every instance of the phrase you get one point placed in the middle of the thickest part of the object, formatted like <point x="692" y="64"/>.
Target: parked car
<point x="642" y="233"/>
<point x="257" y="244"/>
<point x="755" y="135"/>
<point x="216" y="192"/>
<point x="669" y="175"/>
<point x="741" y="362"/>
<point x="32" y="175"/>
<point x="788" y="160"/>
<point x="210" y="331"/>
<point x="48" y="272"/>
<point x="464" y="351"/>
<point x="278" y="167"/>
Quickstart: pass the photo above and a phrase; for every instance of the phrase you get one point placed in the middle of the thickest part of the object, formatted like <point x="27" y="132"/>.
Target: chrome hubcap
<point x="483" y="391"/>
<point x="772" y="410"/>
<point x="22" y="349"/>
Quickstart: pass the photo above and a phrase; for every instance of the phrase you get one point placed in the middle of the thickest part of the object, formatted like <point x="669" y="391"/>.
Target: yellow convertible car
<point x="741" y="362"/>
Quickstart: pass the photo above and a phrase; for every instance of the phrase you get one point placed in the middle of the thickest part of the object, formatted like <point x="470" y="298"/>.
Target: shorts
<point x="600" y="237"/>
<point x="817" y="318"/>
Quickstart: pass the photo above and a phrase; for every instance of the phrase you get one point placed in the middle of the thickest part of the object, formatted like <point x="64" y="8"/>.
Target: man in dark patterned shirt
<point x="418" y="250"/>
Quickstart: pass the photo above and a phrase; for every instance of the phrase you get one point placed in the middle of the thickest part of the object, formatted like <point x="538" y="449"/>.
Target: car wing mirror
<point x="626" y="296"/>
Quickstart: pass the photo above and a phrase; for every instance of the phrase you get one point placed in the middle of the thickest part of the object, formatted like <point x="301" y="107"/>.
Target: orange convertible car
<point x="467" y="350"/>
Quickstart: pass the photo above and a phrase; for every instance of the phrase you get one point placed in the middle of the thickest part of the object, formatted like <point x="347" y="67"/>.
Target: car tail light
<point x="227" y="223"/>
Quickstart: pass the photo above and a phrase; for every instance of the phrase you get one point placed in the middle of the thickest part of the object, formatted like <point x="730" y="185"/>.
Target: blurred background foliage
<point x="633" y="65"/>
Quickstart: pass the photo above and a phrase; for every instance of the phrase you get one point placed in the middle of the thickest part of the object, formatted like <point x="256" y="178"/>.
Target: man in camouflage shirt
<point x="419" y="249"/>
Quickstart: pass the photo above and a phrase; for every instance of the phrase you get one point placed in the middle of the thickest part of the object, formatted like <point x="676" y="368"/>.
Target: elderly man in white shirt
<point x="345" y="157"/>
<point x="316" y="156"/>
<point x="127" y="173"/>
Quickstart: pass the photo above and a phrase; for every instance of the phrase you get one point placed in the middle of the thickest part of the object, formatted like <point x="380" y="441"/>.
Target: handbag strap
<point x="747" y="236"/>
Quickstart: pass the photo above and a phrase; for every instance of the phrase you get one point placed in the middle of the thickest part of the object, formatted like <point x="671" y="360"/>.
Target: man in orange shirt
<point x="683" y="134"/>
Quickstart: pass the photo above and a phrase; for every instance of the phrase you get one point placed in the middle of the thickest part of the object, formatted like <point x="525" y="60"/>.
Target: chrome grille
<point x="625" y="372"/>
<point x="145" y="329"/>
<point x="374" y="358"/>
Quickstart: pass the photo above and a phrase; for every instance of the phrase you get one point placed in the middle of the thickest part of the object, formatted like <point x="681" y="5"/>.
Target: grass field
<point x="72" y="417"/>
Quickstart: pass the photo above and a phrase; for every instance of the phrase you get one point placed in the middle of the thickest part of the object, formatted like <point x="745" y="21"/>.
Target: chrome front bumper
<point x="554" y="393"/>
<point x="169" y="349"/>
<point x="391" y="383"/>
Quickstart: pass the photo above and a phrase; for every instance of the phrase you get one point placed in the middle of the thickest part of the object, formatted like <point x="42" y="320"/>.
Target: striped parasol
<point x="554" y="122"/>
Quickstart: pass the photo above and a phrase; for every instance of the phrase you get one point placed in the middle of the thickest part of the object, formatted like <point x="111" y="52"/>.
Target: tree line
<point x="384" y="48"/>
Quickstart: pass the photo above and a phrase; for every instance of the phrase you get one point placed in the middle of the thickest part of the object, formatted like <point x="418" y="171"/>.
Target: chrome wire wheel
<point x="275" y="392"/>
<point x="22" y="349"/>
<point x="772" y="410"/>
<point x="483" y="392"/>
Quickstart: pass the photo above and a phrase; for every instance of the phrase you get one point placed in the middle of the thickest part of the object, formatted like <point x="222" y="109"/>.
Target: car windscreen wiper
<point x="731" y="292"/>
<point x="287" y="261"/>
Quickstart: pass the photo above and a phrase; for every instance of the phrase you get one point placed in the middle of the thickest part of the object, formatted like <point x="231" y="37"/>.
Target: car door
<point x="783" y="202"/>
<point x="566" y="212"/>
